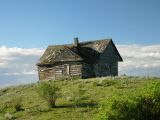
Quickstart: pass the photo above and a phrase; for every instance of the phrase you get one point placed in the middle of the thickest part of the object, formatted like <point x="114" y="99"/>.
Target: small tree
<point x="50" y="92"/>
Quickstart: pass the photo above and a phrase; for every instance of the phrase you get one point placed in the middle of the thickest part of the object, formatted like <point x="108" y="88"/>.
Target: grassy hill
<point x="94" y="94"/>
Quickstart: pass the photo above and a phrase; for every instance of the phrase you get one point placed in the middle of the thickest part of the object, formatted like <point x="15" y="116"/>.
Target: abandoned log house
<point x="81" y="59"/>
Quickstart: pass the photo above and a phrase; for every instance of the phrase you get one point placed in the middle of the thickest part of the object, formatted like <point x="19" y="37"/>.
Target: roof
<point x="89" y="52"/>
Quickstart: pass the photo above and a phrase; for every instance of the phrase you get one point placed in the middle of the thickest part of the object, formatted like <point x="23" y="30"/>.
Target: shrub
<point x="49" y="92"/>
<point x="16" y="102"/>
<point x="142" y="107"/>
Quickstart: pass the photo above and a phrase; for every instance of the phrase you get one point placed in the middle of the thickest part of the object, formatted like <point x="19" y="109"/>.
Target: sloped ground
<point x="96" y="91"/>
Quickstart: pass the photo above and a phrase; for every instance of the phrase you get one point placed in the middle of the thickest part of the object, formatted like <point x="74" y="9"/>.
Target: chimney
<point x="76" y="42"/>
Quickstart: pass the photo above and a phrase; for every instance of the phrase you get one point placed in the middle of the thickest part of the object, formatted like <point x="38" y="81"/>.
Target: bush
<point x="15" y="102"/>
<point x="49" y="92"/>
<point x="142" y="107"/>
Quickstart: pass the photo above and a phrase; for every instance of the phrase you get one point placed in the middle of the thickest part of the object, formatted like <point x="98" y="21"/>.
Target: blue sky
<point x="37" y="23"/>
<point x="27" y="27"/>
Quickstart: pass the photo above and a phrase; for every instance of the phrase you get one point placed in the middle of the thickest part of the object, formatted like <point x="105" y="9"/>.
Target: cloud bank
<point x="140" y="60"/>
<point x="17" y="65"/>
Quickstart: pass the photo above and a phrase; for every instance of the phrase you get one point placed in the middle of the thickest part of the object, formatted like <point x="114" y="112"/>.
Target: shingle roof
<point x="86" y="51"/>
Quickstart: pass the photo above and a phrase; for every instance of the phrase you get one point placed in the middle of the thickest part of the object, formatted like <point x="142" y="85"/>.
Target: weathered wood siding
<point x="46" y="73"/>
<point x="108" y="63"/>
<point x="76" y="70"/>
<point x="87" y="70"/>
<point x="60" y="71"/>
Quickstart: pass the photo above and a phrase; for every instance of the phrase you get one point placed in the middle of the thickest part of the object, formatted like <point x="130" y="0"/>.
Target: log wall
<point x="46" y="73"/>
<point x="60" y="71"/>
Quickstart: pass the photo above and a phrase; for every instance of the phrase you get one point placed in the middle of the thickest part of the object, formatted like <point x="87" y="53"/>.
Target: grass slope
<point x="97" y="91"/>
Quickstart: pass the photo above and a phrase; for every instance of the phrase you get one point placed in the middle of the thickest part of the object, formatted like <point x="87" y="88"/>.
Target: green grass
<point x="96" y="91"/>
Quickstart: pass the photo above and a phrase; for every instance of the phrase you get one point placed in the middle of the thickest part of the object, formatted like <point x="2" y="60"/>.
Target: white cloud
<point x="18" y="63"/>
<point x="3" y="64"/>
<point x="32" y="72"/>
<point x="12" y="56"/>
<point x="5" y="51"/>
<point x="139" y="59"/>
